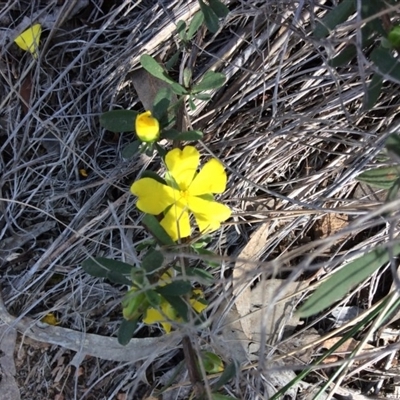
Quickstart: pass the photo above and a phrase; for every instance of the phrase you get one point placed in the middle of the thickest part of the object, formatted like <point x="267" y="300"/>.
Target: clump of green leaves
<point x="380" y="38"/>
<point x="341" y="282"/>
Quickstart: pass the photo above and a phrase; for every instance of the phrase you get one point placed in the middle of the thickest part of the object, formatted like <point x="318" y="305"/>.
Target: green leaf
<point x="195" y="24"/>
<point x="202" y="96"/>
<point x="344" y="57"/>
<point x="394" y="36"/>
<point x="170" y="134"/>
<point x="386" y="63"/>
<point x="191" y="104"/>
<point x="212" y="362"/>
<point x="100" y="267"/>
<point x="153" y="298"/>
<point x="126" y="331"/>
<point x="342" y="281"/>
<point x="179" y="305"/>
<point x="373" y="92"/>
<point x="211" y="80"/>
<point x="152" y="261"/>
<point x="210" y="18"/>
<point x="334" y="17"/>
<point x="187" y="76"/>
<point x="154" y="68"/>
<point x="176" y="288"/>
<point x="131" y="149"/>
<point x="161" y="103"/>
<point x="189" y="136"/>
<point x="181" y="28"/>
<point x="393" y="191"/>
<point x="159" y="233"/>
<point x="381" y="177"/>
<point x="201" y="276"/>
<point x="118" y="278"/>
<point x="119" y="120"/>
<point x="220" y="9"/>
<point x="227" y="375"/>
<point x="172" y="61"/>
<point x="393" y="146"/>
<point x="206" y="252"/>
<point x="178" y="89"/>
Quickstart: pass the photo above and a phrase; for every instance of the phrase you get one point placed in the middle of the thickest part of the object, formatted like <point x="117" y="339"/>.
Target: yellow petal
<point x="153" y="316"/>
<point x="147" y="127"/>
<point x="153" y="196"/>
<point x="182" y="164"/>
<point x="211" y="179"/>
<point x="208" y="214"/>
<point x="176" y="222"/>
<point x="50" y="319"/>
<point x="29" y="39"/>
<point x="197" y="305"/>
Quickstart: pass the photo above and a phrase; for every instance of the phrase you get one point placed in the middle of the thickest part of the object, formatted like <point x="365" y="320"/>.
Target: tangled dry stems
<point x="288" y="128"/>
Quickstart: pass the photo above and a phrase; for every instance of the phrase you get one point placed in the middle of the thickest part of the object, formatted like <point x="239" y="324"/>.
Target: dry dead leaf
<point x="331" y="223"/>
<point x="25" y="93"/>
<point x="147" y="86"/>
<point x="347" y="347"/>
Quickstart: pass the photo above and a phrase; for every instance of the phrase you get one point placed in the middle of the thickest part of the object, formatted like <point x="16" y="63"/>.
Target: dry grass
<point x="289" y="129"/>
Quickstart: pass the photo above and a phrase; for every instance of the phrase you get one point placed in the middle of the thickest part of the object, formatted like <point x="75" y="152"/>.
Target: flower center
<point x="185" y="195"/>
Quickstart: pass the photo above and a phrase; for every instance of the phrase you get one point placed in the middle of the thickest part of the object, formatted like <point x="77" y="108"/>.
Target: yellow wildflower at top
<point x="147" y="127"/>
<point x="28" y="40"/>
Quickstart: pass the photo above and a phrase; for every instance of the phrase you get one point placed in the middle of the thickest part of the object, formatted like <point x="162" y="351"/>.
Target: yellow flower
<point x="155" y="197"/>
<point x="167" y="313"/>
<point x="29" y="39"/>
<point x="147" y="127"/>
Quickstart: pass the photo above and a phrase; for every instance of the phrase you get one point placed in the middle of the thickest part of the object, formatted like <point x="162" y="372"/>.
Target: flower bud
<point x="147" y="127"/>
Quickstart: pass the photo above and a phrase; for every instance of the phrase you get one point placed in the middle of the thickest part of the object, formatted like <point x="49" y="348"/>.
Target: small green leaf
<point x="394" y="36"/>
<point x="159" y="233"/>
<point x="152" y="261"/>
<point x="118" y="278"/>
<point x="131" y="149"/>
<point x="172" y="61"/>
<point x="100" y="267"/>
<point x="187" y="76"/>
<point x="373" y="92"/>
<point x="119" y="120"/>
<point x="229" y="372"/>
<point x="342" y="281"/>
<point x="334" y="17"/>
<point x="210" y="18"/>
<point x="211" y="80"/>
<point x="178" y="89"/>
<point x="179" y="305"/>
<point x="393" y="191"/>
<point x="220" y="9"/>
<point x="191" y="104"/>
<point x="344" y="57"/>
<point x="161" y="103"/>
<point x="212" y="362"/>
<point x="201" y="276"/>
<point x="181" y="28"/>
<point x="126" y="331"/>
<point x="212" y="264"/>
<point x="195" y="24"/>
<point x="202" y="96"/>
<point x="160" y="150"/>
<point x="393" y="146"/>
<point x="381" y="177"/>
<point x="153" y="298"/>
<point x="189" y="136"/>
<point x="134" y="304"/>
<point x="154" y="68"/>
<point x="386" y="63"/>
<point x="170" y="134"/>
<point x="176" y="288"/>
